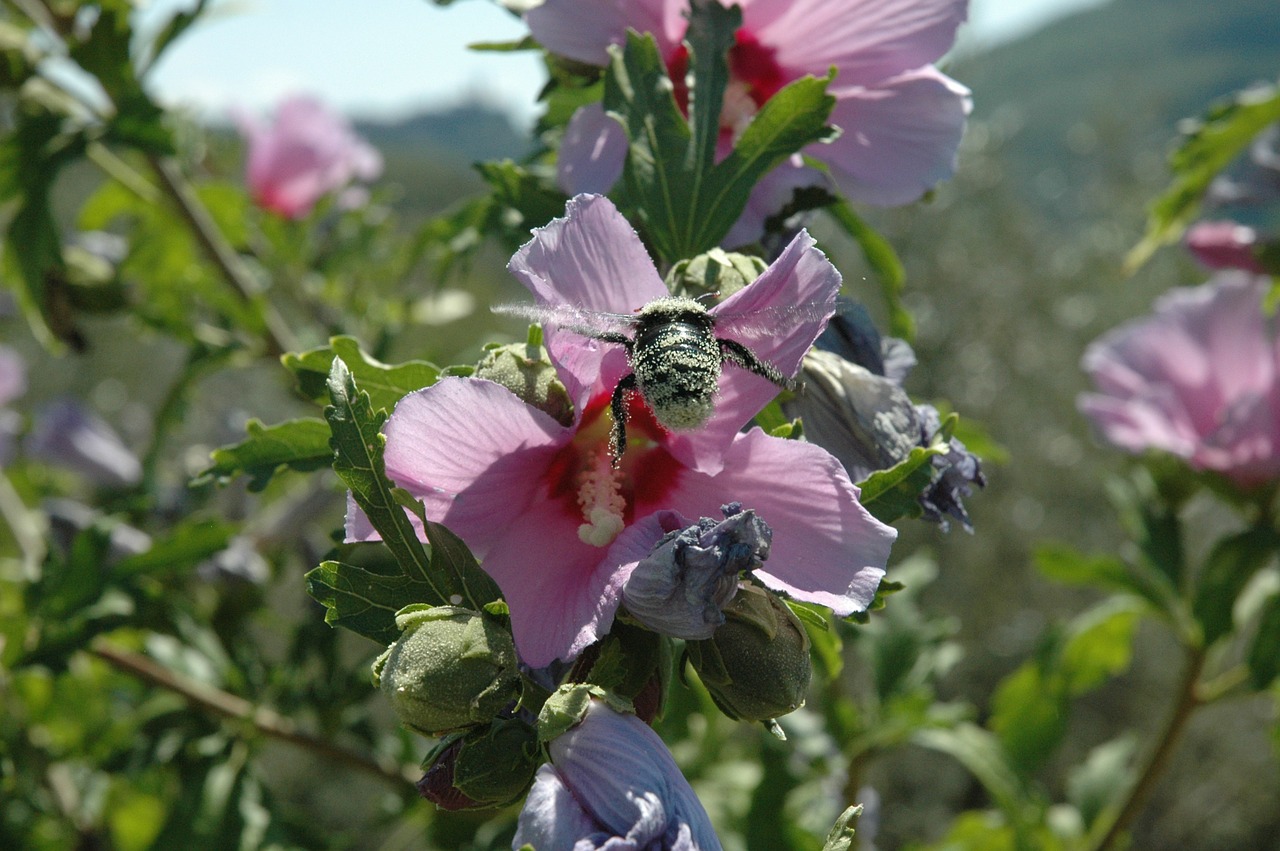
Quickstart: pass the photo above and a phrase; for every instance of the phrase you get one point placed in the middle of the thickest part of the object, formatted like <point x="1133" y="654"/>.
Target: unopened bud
<point x="756" y="666"/>
<point x="692" y="573"/>
<point x="526" y="370"/>
<point x="718" y="272"/>
<point x="487" y="767"/>
<point x="450" y="669"/>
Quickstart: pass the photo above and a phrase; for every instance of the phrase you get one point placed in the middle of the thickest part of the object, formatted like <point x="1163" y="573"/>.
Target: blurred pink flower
<point x="1199" y="378"/>
<point x="901" y="118"/>
<point x="306" y="153"/>
<point x="1224" y="245"/>
<point x="555" y="523"/>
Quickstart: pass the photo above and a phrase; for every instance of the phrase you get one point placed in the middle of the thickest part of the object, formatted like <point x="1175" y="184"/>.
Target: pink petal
<point x="562" y="593"/>
<point x="473" y="453"/>
<point x="592" y="259"/>
<point x="778" y="316"/>
<point x="592" y="153"/>
<point x="769" y="196"/>
<point x="827" y="548"/>
<point x="867" y="40"/>
<point x="582" y="29"/>
<point x="898" y="138"/>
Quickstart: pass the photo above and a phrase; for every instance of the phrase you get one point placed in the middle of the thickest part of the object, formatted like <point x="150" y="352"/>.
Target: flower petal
<point x="867" y="40"/>
<point x="590" y="259"/>
<point x="827" y="548"/>
<point x="777" y="317"/>
<point x="592" y="153"/>
<point x="475" y="485"/>
<point x="551" y="816"/>
<point x="899" y="137"/>
<point x="583" y="29"/>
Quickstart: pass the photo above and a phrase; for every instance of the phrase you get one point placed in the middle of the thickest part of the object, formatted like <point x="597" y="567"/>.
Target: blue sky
<point x="383" y="58"/>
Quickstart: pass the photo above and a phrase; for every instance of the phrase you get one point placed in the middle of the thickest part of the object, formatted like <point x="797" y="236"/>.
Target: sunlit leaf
<point x="300" y="445"/>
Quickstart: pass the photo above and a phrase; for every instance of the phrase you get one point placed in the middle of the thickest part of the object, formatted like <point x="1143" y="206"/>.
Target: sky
<point x="389" y="58"/>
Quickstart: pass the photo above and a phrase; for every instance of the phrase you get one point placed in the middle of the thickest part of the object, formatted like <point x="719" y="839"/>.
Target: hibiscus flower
<point x="1199" y="378"/>
<point x="542" y="505"/>
<point x="901" y="118"/>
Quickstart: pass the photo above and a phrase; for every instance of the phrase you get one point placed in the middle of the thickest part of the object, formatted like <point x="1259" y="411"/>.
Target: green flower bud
<point x="526" y="370"/>
<point x="488" y="767"/>
<point x="450" y="669"/>
<point x="756" y="665"/>
<point x="717" y="272"/>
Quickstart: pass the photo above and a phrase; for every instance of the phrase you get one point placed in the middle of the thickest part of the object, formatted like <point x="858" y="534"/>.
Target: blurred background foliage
<point x="1012" y="267"/>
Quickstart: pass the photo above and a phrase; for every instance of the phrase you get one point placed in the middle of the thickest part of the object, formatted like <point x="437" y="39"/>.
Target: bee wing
<point x="578" y="320"/>
<point x="770" y="321"/>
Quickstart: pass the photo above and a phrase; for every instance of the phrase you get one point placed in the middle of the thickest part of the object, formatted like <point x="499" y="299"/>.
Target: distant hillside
<point x="1117" y="75"/>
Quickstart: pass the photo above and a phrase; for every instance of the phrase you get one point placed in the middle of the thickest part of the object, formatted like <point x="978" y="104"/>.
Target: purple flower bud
<point x="692" y="573"/>
<point x="69" y="435"/>
<point x="1224" y="245"/>
<point x="612" y="783"/>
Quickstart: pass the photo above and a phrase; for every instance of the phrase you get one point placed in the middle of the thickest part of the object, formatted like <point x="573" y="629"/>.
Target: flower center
<point x="754" y="77"/>
<point x="601" y="496"/>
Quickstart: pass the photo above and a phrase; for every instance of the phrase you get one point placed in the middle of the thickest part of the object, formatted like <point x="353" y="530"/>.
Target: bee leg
<point x="618" y="405"/>
<point x="736" y="353"/>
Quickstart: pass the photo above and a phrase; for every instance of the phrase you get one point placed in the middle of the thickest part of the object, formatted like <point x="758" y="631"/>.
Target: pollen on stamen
<point x="600" y="496"/>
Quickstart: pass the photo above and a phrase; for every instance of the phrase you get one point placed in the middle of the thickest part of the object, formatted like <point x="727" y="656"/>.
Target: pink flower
<point x="901" y="118"/>
<point x="555" y="523"/>
<point x="304" y="155"/>
<point x="1224" y="245"/>
<point x="1199" y="378"/>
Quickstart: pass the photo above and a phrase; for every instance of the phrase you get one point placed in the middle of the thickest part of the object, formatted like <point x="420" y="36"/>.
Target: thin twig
<point x="224" y="257"/>
<point x="1188" y="701"/>
<point x="266" y="721"/>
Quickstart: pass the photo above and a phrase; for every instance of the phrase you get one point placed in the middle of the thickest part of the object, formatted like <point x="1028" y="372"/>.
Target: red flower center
<point x="753" y="71"/>
<point x="603" y="497"/>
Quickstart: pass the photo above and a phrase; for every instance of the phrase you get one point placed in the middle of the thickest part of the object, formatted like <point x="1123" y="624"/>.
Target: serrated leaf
<point x="300" y="445"/>
<point x="362" y="601"/>
<point x="895" y="492"/>
<point x="1204" y="152"/>
<point x="1230" y="565"/>
<point x="686" y="202"/>
<point x="296" y="444"/>
<point x="384" y="383"/>
<point x="1264" y="654"/>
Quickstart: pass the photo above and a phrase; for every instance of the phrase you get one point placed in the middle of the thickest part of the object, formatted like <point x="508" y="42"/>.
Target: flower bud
<point x="756" y="666"/>
<point x="450" y="669"/>
<point x="718" y="272"/>
<point x="692" y="573"/>
<point x="526" y="370"/>
<point x="487" y="767"/>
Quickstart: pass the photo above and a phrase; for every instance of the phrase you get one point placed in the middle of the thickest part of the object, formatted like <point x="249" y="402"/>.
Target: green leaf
<point x="1206" y="149"/>
<point x="301" y="445"/>
<point x="385" y="384"/>
<point x="895" y="492"/>
<point x="1099" y="644"/>
<point x="179" y="22"/>
<point x="684" y="201"/>
<point x="883" y="260"/>
<point x="1230" y="566"/>
<point x="1264" y="653"/>
<point x="363" y="601"/>
<point x="1062" y="563"/>
<point x="979" y="751"/>
<point x="1097" y="784"/>
<point x="527" y="200"/>
<point x="450" y="572"/>
<point x="1029" y="715"/>
<point x="179" y="550"/>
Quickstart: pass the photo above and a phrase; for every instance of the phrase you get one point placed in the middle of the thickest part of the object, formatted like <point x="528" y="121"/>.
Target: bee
<point x="674" y="354"/>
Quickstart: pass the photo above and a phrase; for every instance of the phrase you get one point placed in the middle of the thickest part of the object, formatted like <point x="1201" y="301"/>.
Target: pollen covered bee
<point x="674" y="354"/>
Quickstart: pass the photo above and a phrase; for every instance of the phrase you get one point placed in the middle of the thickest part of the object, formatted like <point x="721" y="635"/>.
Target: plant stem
<point x="1189" y="700"/>
<point x="264" y="720"/>
<point x="224" y="257"/>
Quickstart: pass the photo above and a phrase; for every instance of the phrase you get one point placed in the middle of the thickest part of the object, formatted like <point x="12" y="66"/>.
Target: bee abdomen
<point x="677" y="368"/>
